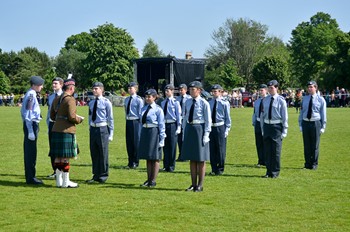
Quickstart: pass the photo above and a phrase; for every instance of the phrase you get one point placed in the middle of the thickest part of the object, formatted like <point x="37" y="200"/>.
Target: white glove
<point x="81" y="117"/>
<point x="31" y="136"/>
<point x="161" y="143"/>
<point x="301" y="129"/>
<point x="110" y="138"/>
<point x="178" y="131"/>
<point x="322" y="131"/>
<point x="206" y="138"/>
<point x="283" y="135"/>
<point x="226" y="132"/>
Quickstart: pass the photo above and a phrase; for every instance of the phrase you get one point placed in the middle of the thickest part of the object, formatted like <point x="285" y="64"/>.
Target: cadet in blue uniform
<point x="220" y="127"/>
<point x="31" y="117"/>
<point x="101" y="133"/>
<point x="259" y="141"/>
<point x="132" y="105"/>
<point x="197" y="126"/>
<point x="57" y="84"/>
<point x="182" y="98"/>
<point x="172" y="119"/>
<point x="312" y="123"/>
<point x="274" y="129"/>
<point x="152" y="136"/>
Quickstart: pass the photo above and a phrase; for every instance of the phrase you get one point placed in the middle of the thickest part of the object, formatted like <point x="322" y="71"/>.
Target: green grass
<point x="299" y="200"/>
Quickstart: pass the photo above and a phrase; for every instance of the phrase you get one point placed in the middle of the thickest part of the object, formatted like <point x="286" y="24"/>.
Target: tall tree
<point x="4" y="83"/>
<point x="151" y="49"/>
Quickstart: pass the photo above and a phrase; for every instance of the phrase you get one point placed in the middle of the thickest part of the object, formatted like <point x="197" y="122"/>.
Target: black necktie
<point x="261" y="107"/>
<point x="166" y="107"/>
<point x="270" y="108"/>
<point x="94" y="110"/>
<point x="309" y="110"/>
<point x="190" y="116"/>
<point x="213" y="113"/>
<point x="128" y="107"/>
<point x="144" y="116"/>
<point x="182" y="101"/>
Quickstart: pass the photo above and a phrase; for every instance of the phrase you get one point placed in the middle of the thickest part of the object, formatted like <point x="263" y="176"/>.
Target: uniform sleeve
<point x="141" y="104"/>
<point x="227" y="115"/>
<point x="284" y="114"/>
<point x="178" y="113"/>
<point x="72" y="111"/>
<point x="207" y="117"/>
<point x="110" y="119"/>
<point x="300" y="119"/>
<point x="161" y="124"/>
<point x="323" y="113"/>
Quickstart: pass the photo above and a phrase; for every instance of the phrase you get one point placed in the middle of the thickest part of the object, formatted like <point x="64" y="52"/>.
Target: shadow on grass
<point x="233" y="175"/>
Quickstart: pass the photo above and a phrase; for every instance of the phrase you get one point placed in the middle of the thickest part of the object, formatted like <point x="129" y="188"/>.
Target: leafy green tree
<point x="151" y="49"/>
<point x="271" y="68"/>
<point x="4" y="83"/>
<point x="80" y="42"/>
<point x="311" y="44"/>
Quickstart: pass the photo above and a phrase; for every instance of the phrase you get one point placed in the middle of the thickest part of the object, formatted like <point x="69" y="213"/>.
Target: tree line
<point x="242" y="54"/>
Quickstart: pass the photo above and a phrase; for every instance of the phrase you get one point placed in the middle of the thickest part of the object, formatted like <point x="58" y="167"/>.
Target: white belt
<point x="50" y="120"/>
<point x="132" y="118"/>
<point x="100" y="124"/>
<point x="196" y="122"/>
<point x="258" y="119"/>
<point x="149" y="125"/>
<point x="217" y="124"/>
<point x="311" y="119"/>
<point x="272" y="121"/>
<point x="169" y="121"/>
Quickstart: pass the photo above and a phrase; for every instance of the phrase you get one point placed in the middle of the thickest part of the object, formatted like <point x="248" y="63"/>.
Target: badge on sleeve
<point x="30" y="102"/>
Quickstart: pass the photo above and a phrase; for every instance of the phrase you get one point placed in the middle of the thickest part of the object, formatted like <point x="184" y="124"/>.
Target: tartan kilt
<point x="63" y="145"/>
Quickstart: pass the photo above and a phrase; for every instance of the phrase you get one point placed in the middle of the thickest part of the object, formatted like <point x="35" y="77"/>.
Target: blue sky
<point x="176" y="26"/>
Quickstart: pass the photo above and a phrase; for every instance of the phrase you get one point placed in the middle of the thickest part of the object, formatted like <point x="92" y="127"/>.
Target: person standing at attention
<point x="172" y="117"/>
<point x="133" y="105"/>
<point x="101" y="133"/>
<point x="152" y="137"/>
<point x="312" y="123"/>
<point x="220" y="127"/>
<point x="274" y="129"/>
<point x="31" y="117"/>
<point x="57" y="84"/>
<point x="259" y="140"/>
<point x="197" y="126"/>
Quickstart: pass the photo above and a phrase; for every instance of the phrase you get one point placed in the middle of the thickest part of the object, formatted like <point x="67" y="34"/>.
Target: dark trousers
<point x="52" y="157"/>
<point x="179" y="143"/>
<point x="259" y="143"/>
<point x="273" y="147"/>
<point x="217" y="145"/>
<point x="99" y="152"/>
<point x="169" y="148"/>
<point x="311" y="139"/>
<point x="132" y="132"/>
<point x="30" y="152"/>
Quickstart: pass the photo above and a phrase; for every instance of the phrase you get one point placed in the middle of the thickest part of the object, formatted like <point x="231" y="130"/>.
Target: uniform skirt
<point x="63" y="145"/>
<point x="193" y="148"/>
<point x="149" y="144"/>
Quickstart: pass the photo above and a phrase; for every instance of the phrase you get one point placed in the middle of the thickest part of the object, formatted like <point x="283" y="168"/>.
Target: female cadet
<point x="152" y="136"/>
<point x="197" y="126"/>
<point x="63" y="143"/>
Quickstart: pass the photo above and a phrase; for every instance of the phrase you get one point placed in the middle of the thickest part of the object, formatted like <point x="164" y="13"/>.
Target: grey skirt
<point x="192" y="147"/>
<point x="149" y="144"/>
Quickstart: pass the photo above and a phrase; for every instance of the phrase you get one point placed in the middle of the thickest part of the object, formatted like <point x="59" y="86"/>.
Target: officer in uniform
<point x="152" y="136"/>
<point x="312" y="123"/>
<point x="172" y="117"/>
<point x="57" y="84"/>
<point x="220" y="127"/>
<point x="197" y="126"/>
<point x="31" y="117"/>
<point x="101" y="133"/>
<point x="133" y="105"/>
<point x="274" y="129"/>
<point x="258" y="109"/>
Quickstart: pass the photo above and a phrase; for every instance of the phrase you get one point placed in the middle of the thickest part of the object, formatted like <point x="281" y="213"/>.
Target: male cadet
<point x="258" y="108"/>
<point x="312" y="123"/>
<point x="172" y="118"/>
<point x="133" y="105"/>
<point x="101" y="133"/>
<point x="182" y="98"/>
<point x="220" y="127"/>
<point x="31" y="117"/>
<point x="274" y="129"/>
<point x="57" y="84"/>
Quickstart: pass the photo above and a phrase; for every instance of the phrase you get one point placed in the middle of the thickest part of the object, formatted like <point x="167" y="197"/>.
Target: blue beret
<point x="312" y="83"/>
<point x="97" y="84"/>
<point x="216" y="86"/>
<point x="183" y="86"/>
<point x="151" y="92"/>
<point x="195" y="84"/>
<point x="272" y="83"/>
<point x="132" y="84"/>
<point x="169" y="86"/>
<point x="36" y="80"/>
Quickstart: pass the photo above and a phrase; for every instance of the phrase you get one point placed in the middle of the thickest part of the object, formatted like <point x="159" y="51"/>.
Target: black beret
<point x="169" y="86"/>
<point x="151" y="92"/>
<point x="183" y="86"/>
<point x="263" y="86"/>
<point x="132" y="84"/>
<point x="272" y="83"/>
<point x="312" y="83"/>
<point x="59" y="79"/>
<point x="36" y="80"/>
<point x="97" y="84"/>
<point x="69" y="82"/>
<point x="216" y="86"/>
<point x="195" y="84"/>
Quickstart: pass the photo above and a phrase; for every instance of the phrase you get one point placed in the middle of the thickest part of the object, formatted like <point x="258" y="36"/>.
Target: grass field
<point x="299" y="200"/>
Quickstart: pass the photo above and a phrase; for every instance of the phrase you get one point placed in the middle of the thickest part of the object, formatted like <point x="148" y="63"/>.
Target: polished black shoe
<point x="198" y="189"/>
<point x="51" y="176"/>
<point x="191" y="188"/>
<point x="219" y="173"/>
<point x="92" y="181"/>
<point x="273" y="176"/>
<point x="152" y="184"/>
<point x="212" y="174"/>
<point x="35" y="181"/>
<point x="266" y="176"/>
<point x="145" y="184"/>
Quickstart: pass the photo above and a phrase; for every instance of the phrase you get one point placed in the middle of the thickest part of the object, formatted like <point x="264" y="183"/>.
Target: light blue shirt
<point x="173" y="110"/>
<point x="135" y="106"/>
<point x="30" y="110"/>
<point x="278" y="112"/>
<point x="104" y="112"/>
<point x="49" y="104"/>
<point x="155" y="116"/>
<point x="185" y="98"/>
<point x="222" y="111"/>
<point x="256" y="110"/>
<point x="318" y="112"/>
<point x="201" y="112"/>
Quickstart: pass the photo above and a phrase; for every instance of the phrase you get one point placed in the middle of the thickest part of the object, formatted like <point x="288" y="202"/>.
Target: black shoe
<point x="273" y="176"/>
<point x="51" y="176"/>
<point x="212" y="174"/>
<point x="266" y="176"/>
<point x="35" y="181"/>
<point x="198" y="189"/>
<point x="145" y="184"/>
<point x="219" y="173"/>
<point x="163" y="170"/>
<point x="91" y="181"/>
<point x="134" y="166"/>
<point x="152" y="184"/>
<point x="191" y="188"/>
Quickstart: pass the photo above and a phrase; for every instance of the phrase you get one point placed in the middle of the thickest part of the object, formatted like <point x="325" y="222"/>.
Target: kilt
<point x="63" y="145"/>
<point x="193" y="148"/>
<point x="149" y="144"/>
